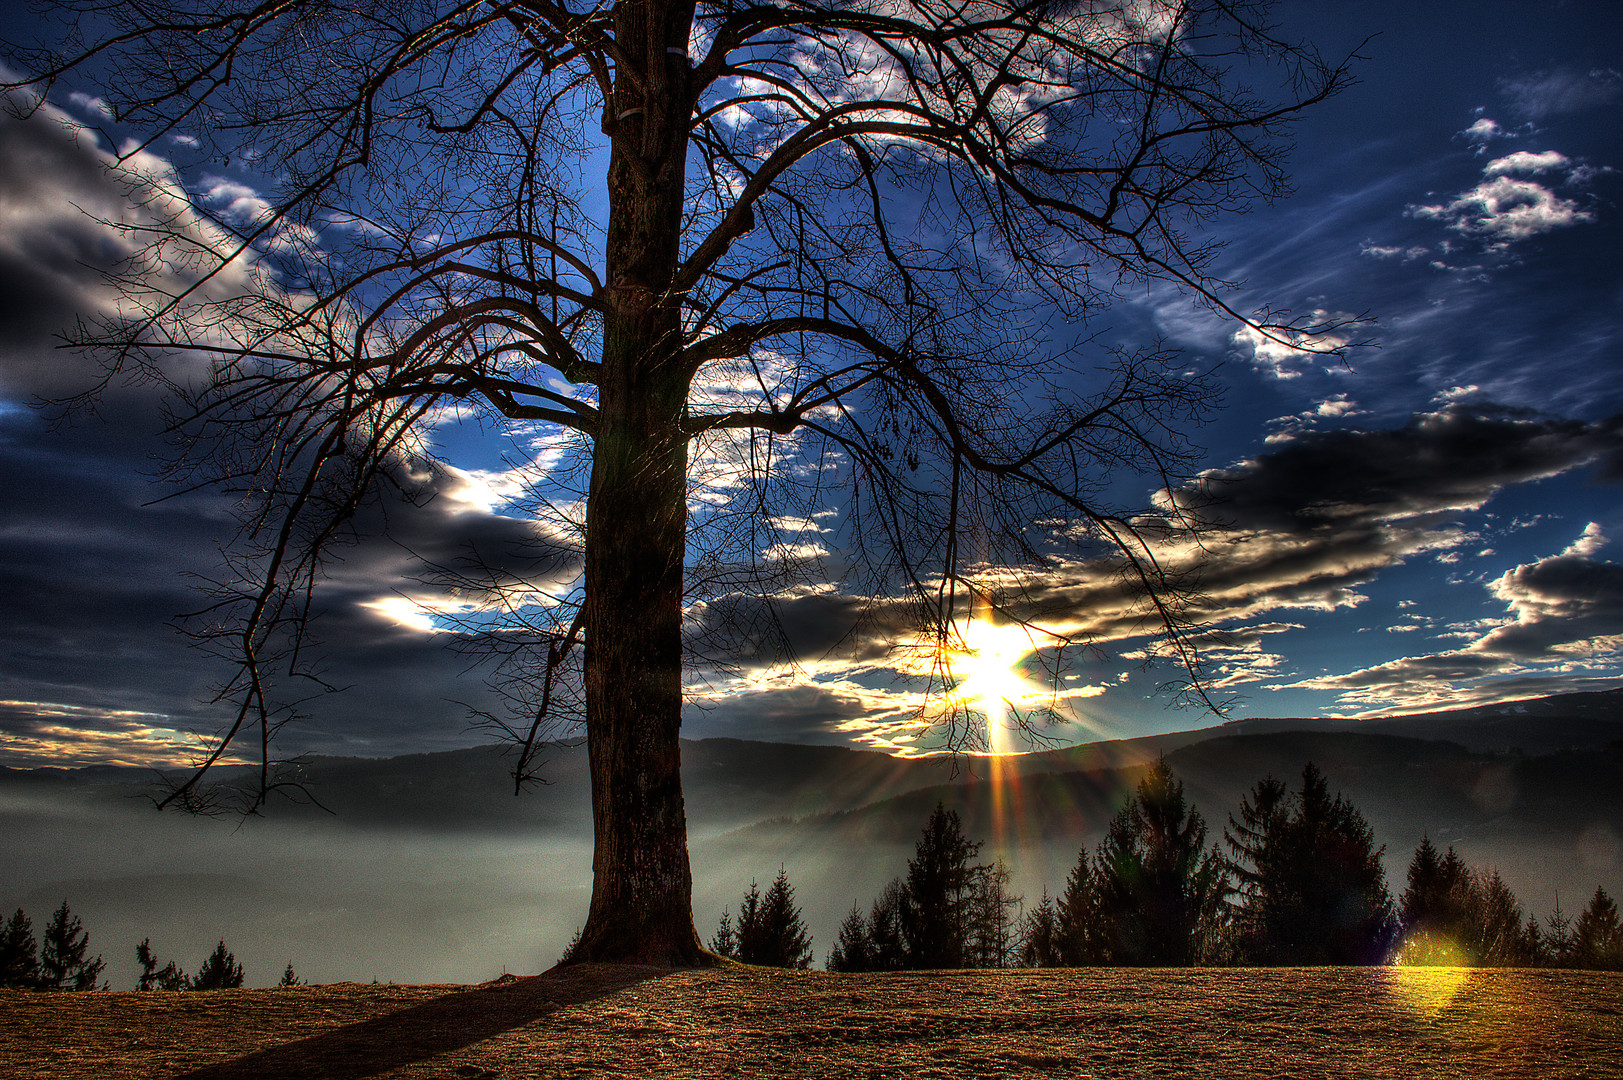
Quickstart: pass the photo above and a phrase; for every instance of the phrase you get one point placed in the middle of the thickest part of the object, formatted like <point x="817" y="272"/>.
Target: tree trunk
<point x="636" y="522"/>
<point x="642" y="887"/>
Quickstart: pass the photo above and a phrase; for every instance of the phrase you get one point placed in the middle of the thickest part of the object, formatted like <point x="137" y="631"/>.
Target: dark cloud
<point x="91" y="571"/>
<point x="54" y="187"/>
<point x="1440" y="462"/>
<point x="1563" y="628"/>
<point x="1559" y="605"/>
<point x="1303" y="527"/>
<point x="97" y="559"/>
<point x="797" y="714"/>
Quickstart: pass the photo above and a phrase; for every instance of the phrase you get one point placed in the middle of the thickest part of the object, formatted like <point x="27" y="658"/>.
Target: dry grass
<point x="602" y="1021"/>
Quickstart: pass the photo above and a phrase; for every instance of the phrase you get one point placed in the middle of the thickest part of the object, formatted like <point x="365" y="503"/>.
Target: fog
<point x="339" y="903"/>
<point x="431" y="870"/>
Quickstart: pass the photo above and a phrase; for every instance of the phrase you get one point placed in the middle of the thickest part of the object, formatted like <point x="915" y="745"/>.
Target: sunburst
<point x="986" y="677"/>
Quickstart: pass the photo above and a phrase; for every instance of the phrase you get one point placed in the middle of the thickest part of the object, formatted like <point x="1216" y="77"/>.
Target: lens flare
<point x="1428" y="973"/>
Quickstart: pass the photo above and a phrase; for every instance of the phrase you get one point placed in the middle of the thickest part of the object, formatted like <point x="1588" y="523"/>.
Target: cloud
<point x="1300" y="528"/>
<point x="1285" y="353"/>
<point x="1505" y="209"/>
<point x="1523" y="161"/>
<point x="1564" y="90"/>
<point x="1336" y="407"/>
<point x="1482" y="131"/>
<point x="837" y="711"/>
<point x="1407" y="254"/>
<point x="71" y="736"/>
<point x="94" y="106"/>
<point x="1456" y="393"/>
<point x="1563" y="626"/>
<point x="1441" y="462"/>
<point x="94" y="568"/>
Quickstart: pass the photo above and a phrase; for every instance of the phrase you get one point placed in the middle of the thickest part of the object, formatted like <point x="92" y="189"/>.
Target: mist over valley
<point x="425" y="868"/>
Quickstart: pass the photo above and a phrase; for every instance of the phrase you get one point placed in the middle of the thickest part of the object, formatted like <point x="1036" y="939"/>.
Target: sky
<point x="1433" y="520"/>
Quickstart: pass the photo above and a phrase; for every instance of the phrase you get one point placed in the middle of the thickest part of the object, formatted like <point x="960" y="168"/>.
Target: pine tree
<point x="748" y="928"/>
<point x="1259" y="846"/>
<point x="783" y="940"/>
<point x="1597" y="936"/>
<point x="1558" y="940"/>
<point x="991" y="915"/>
<point x="1312" y="888"/>
<point x="1502" y="932"/>
<point x="170" y="978"/>
<point x="62" y="963"/>
<point x="219" y="972"/>
<point x="290" y="978"/>
<point x="1350" y="918"/>
<point x="1081" y="942"/>
<point x="887" y="948"/>
<point x="770" y="931"/>
<point x="1159" y="890"/>
<point x="1443" y="909"/>
<point x="1040" y="936"/>
<point x="1538" y="946"/>
<point x="725" y="941"/>
<point x="19" y="955"/>
<point x="939" y="877"/>
<point x="852" y="952"/>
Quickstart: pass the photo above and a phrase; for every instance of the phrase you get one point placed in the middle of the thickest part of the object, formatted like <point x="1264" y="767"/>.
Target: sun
<point x="985" y="676"/>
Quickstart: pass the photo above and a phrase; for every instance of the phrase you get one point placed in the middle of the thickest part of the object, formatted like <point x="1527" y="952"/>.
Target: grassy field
<point x="601" y="1021"/>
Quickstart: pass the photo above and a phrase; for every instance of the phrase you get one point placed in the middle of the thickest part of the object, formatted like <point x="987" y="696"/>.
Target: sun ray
<point x="986" y="678"/>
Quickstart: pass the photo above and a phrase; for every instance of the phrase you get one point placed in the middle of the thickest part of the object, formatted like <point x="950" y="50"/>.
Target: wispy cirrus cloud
<point x="1543" y="94"/>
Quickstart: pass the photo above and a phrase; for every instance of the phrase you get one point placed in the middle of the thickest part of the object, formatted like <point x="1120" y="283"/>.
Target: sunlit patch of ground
<point x="748" y="1022"/>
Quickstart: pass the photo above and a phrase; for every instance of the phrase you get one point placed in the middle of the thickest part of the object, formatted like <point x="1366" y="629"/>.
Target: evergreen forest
<point x="1295" y="878"/>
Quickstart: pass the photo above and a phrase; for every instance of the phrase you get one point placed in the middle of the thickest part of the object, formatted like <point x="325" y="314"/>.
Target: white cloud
<point x="1505" y="209"/>
<point x="1590" y="542"/>
<point x="235" y="202"/>
<point x="1407" y="254"/>
<point x="1337" y="406"/>
<point x="1524" y="161"/>
<point x="1284" y="353"/>
<point x="1482" y="131"/>
<point x="95" y="105"/>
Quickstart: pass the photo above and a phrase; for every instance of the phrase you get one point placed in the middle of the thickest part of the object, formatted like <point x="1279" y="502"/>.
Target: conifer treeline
<point x="60" y="960"/>
<point x="1300" y="883"/>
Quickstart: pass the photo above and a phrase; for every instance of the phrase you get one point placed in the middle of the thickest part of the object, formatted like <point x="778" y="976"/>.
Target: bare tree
<point x="785" y="233"/>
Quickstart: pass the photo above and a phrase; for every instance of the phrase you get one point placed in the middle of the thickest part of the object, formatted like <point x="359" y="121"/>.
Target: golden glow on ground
<point x="1428" y="973"/>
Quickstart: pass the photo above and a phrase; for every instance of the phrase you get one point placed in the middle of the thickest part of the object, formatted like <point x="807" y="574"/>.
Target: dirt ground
<point x="602" y="1021"/>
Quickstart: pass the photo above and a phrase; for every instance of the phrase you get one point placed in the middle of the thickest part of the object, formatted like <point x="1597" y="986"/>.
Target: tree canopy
<point x="717" y="257"/>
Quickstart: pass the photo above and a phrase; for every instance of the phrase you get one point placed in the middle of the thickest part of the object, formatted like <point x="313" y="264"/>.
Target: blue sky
<point x="1433" y="521"/>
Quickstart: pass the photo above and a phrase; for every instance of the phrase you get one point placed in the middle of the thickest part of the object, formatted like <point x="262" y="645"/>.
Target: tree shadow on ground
<point x="425" y="1031"/>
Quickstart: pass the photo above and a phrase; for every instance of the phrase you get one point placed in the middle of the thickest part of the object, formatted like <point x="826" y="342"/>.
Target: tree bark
<point x="636" y="524"/>
<point x="642" y="887"/>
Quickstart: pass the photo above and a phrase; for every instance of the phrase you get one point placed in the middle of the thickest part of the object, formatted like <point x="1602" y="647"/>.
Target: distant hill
<point x="727" y="783"/>
<point x="733" y="783"/>
<point x="429" y="869"/>
<point x="1534" y="725"/>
